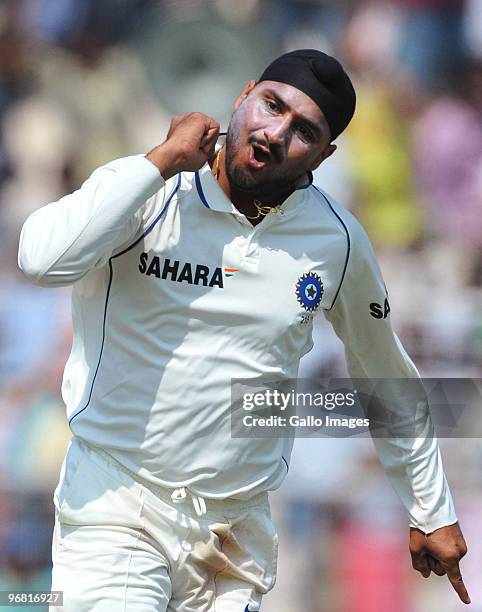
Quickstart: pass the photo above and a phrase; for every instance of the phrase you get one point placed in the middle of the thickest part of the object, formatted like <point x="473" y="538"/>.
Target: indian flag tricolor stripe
<point x="230" y="271"/>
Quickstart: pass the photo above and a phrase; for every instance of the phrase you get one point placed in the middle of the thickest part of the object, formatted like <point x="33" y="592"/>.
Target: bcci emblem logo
<point x="309" y="291"/>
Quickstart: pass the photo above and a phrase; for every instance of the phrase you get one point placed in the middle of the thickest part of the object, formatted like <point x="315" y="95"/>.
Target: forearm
<point x="62" y="241"/>
<point x="414" y="468"/>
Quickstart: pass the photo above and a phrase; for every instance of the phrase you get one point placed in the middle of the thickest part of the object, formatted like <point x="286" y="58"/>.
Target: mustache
<point x="273" y="150"/>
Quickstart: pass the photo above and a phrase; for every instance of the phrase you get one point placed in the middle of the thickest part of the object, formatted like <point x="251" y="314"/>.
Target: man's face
<point x="276" y="134"/>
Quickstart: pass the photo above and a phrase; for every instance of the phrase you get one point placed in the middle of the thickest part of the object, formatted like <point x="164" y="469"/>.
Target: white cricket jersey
<point x="175" y="293"/>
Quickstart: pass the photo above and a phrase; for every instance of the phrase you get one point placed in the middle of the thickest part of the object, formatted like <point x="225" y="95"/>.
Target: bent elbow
<point x="32" y="259"/>
<point x="28" y="263"/>
<point x="33" y="271"/>
<point x="46" y="279"/>
<point x="40" y="274"/>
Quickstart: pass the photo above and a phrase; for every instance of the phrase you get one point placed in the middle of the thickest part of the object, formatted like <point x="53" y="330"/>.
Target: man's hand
<point x="189" y="144"/>
<point x="440" y="552"/>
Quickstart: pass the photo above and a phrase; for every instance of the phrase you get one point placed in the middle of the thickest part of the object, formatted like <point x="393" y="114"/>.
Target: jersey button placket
<point x="251" y="251"/>
<point x="251" y="247"/>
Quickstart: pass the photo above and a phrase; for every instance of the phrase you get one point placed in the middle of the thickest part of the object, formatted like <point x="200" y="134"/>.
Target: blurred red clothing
<point x="372" y="569"/>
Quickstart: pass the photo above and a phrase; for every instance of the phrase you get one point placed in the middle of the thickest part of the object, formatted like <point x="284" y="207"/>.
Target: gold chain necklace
<point x="261" y="209"/>
<point x="215" y="168"/>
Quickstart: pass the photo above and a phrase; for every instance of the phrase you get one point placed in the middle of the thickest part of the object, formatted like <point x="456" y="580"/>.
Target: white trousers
<point x="122" y="545"/>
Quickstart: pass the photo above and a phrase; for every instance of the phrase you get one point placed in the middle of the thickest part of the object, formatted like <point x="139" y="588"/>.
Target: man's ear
<point x="329" y="150"/>
<point x="244" y="94"/>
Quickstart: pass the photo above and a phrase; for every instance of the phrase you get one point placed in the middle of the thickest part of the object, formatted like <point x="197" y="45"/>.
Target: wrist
<point x="164" y="159"/>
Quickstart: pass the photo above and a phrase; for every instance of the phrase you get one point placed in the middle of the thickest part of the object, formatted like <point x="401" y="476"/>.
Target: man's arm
<point x="361" y="319"/>
<point x="63" y="241"/>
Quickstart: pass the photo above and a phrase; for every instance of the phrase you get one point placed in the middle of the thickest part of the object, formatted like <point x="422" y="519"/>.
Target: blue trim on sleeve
<point x="286" y="463"/>
<point x="148" y="230"/>
<point x="287" y="466"/>
<point x="200" y="189"/>
<point x="154" y="223"/>
<point x="347" y="239"/>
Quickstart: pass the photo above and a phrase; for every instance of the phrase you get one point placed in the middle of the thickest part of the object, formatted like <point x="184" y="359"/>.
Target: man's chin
<point x="245" y="182"/>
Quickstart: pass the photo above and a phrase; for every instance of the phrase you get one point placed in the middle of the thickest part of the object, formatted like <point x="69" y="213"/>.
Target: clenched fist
<point x="189" y="144"/>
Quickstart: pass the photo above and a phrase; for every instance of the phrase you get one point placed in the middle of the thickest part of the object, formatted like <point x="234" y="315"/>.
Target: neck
<point x="243" y="201"/>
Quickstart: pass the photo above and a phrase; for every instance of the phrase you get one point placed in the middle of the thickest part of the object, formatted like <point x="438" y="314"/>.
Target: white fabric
<point x="152" y="359"/>
<point x="198" y="502"/>
<point x="120" y="545"/>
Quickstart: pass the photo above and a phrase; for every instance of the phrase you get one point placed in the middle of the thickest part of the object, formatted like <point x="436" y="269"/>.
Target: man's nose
<point x="277" y="133"/>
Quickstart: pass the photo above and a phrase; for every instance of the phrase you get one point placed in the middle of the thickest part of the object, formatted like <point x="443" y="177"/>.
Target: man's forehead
<point x="293" y="97"/>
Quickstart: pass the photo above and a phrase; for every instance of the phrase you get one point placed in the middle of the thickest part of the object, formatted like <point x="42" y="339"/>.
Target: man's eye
<point x="272" y="105"/>
<point x="305" y="133"/>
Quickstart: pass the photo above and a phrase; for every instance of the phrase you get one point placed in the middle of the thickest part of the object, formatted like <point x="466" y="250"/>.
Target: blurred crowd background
<point x="86" y="81"/>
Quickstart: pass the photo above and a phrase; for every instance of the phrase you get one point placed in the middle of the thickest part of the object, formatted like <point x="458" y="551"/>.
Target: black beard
<point x="244" y="182"/>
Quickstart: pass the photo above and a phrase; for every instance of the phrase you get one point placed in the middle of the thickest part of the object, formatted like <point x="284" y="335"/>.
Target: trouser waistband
<point x="179" y="495"/>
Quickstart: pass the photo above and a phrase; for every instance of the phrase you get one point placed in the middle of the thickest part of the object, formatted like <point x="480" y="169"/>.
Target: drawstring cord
<point x="199" y="503"/>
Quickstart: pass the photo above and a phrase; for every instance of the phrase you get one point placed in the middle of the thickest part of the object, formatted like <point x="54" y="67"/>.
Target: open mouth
<point x="258" y="157"/>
